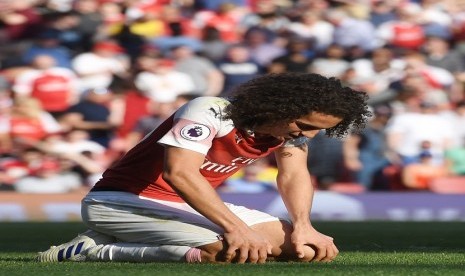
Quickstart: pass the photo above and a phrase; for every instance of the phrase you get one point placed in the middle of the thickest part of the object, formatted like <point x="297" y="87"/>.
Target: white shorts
<point x="136" y="219"/>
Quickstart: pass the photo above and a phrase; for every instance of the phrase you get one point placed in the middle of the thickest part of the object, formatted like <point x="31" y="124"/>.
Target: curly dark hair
<point x="274" y="98"/>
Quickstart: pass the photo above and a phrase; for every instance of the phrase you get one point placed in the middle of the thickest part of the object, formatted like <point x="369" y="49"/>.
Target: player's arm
<point x="182" y="173"/>
<point x="296" y="189"/>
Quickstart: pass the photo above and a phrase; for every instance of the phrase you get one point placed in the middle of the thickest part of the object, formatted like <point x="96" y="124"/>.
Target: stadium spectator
<point x="65" y="25"/>
<point x="177" y="24"/>
<point x="266" y="15"/>
<point x="26" y="123"/>
<point x="16" y="166"/>
<point x="404" y="33"/>
<point x="419" y="85"/>
<point x="298" y="58"/>
<point x="6" y="103"/>
<point x="381" y="12"/>
<point x="435" y="12"/>
<point x="93" y="115"/>
<point x="439" y="54"/>
<point x="433" y="83"/>
<point x="127" y="106"/>
<point x="47" y="43"/>
<point x="456" y="116"/>
<point x="58" y="6"/>
<point x="262" y="46"/>
<point x="179" y="29"/>
<point x="107" y="60"/>
<point x="312" y="27"/>
<point x="78" y="154"/>
<point x="56" y="88"/>
<point x="49" y="177"/>
<point x="208" y="80"/>
<point x="193" y="142"/>
<point x="331" y="64"/>
<point x="420" y="174"/>
<point x="365" y="154"/>
<point x="20" y="20"/>
<point x="225" y="20"/>
<point x="74" y="141"/>
<point x="213" y="5"/>
<point x="351" y="32"/>
<point x="237" y="67"/>
<point x="415" y="63"/>
<point x="457" y="11"/>
<point x="89" y="23"/>
<point x="213" y="47"/>
<point x="113" y="18"/>
<point x="406" y="131"/>
<point x="327" y="163"/>
<point x="147" y="24"/>
<point x="455" y="160"/>
<point x="381" y="69"/>
<point x="162" y="82"/>
<point x="319" y="6"/>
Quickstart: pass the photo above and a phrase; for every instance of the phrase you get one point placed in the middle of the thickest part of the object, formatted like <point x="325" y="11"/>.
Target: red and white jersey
<point x="198" y="126"/>
<point x="54" y="87"/>
<point x="402" y="34"/>
<point x="30" y="128"/>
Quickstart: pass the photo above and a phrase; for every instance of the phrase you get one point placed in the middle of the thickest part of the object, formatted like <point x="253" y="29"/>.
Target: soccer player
<point x="158" y="203"/>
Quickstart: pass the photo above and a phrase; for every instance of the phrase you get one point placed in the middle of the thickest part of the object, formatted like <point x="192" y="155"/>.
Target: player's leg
<point x="146" y="253"/>
<point x="74" y="249"/>
<point x="142" y="225"/>
<point x="277" y="232"/>
<point x="91" y="247"/>
<point x="155" y="222"/>
<point x="147" y="224"/>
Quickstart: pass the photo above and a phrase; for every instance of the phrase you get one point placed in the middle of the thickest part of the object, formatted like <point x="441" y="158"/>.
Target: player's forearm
<point x="294" y="183"/>
<point x="198" y="193"/>
<point x="297" y="194"/>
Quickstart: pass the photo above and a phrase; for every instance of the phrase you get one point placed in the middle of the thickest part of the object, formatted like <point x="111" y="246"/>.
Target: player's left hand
<point x="325" y="249"/>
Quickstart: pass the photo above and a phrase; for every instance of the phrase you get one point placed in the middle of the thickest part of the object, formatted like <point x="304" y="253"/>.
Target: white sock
<point x="141" y="253"/>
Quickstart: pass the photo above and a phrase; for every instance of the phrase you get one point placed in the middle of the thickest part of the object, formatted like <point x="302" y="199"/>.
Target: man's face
<point x="308" y="126"/>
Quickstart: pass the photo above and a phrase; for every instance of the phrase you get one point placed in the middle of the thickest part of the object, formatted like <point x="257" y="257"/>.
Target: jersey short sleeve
<point x="197" y="123"/>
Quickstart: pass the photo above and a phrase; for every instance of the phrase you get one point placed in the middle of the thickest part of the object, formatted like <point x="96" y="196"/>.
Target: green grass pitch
<point x="367" y="248"/>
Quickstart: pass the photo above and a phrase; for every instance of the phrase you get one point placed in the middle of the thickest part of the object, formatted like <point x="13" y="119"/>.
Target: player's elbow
<point x="175" y="175"/>
<point x="170" y="175"/>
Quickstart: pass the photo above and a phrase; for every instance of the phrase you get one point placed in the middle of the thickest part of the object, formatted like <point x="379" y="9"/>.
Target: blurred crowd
<point x="82" y="81"/>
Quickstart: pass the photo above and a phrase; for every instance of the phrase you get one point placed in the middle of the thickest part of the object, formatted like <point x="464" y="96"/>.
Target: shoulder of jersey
<point x="207" y="100"/>
<point x="209" y="103"/>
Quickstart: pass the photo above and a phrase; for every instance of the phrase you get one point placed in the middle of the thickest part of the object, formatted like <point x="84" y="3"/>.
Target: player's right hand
<point x="246" y="246"/>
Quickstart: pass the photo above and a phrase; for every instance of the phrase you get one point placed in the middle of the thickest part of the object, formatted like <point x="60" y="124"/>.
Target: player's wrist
<point x="302" y="224"/>
<point x="239" y="228"/>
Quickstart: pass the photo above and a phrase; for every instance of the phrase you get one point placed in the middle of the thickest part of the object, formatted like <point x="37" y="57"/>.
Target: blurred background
<point x="82" y="81"/>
